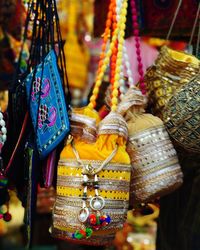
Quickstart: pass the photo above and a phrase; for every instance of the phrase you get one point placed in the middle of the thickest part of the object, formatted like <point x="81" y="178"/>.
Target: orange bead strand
<point x="102" y="63"/>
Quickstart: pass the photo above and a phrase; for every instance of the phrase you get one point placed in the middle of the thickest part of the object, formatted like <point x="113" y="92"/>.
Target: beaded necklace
<point x="3" y="180"/>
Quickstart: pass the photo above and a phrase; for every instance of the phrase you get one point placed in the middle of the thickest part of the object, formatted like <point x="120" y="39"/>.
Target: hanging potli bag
<point x="171" y="70"/>
<point x="182" y="112"/>
<point x="182" y="116"/>
<point x="155" y="167"/>
<point x="94" y="177"/>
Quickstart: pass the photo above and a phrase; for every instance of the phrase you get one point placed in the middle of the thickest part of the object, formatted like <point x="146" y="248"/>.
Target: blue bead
<point x="108" y="219"/>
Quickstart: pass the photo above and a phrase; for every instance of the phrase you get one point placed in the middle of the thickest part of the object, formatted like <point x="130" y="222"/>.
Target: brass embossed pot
<point x="171" y="70"/>
<point x="182" y="116"/>
<point x="155" y="167"/>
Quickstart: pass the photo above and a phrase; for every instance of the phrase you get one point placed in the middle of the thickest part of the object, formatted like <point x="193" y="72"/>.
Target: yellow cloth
<point x="87" y="112"/>
<point x="117" y="171"/>
<point x="140" y="122"/>
<point x="182" y="57"/>
<point x="99" y="150"/>
<point x="77" y="54"/>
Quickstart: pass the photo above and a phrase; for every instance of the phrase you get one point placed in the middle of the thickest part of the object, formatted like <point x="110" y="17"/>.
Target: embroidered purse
<point x="47" y="105"/>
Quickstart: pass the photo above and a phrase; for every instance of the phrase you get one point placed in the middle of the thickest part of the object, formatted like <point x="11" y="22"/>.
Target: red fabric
<point x="157" y="17"/>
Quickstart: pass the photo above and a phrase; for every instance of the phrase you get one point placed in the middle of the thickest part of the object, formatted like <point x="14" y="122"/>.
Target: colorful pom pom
<point x="80" y="234"/>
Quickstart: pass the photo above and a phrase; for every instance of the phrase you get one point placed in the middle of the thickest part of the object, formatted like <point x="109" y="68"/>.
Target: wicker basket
<point x="172" y="70"/>
<point x="182" y="116"/>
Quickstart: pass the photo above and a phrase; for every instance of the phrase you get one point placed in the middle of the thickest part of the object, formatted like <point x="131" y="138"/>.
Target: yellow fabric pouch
<point x="94" y="168"/>
<point x="104" y="209"/>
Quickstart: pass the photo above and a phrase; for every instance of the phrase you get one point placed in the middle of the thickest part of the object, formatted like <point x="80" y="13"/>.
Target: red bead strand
<point x="137" y="45"/>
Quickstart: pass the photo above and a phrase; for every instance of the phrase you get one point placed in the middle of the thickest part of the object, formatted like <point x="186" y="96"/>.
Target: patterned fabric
<point x="47" y="105"/>
<point x="156" y="172"/>
<point x="182" y="116"/>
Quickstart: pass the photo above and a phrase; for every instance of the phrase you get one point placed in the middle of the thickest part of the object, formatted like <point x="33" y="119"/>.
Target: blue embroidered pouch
<point x="47" y="105"/>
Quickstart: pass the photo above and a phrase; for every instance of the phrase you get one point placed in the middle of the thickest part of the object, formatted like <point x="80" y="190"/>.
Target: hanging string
<point x="194" y="26"/>
<point x="174" y="19"/>
<point x="198" y="41"/>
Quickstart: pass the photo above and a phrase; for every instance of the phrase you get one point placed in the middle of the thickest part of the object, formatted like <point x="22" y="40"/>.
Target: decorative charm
<point x="98" y="221"/>
<point x="105" y="220"/>
<point x="97" y="203"/>
<point x="80" y="234"/>
<point x="83" y="215"/>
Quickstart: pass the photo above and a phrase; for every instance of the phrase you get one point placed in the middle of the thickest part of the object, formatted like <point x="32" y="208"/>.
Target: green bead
<point x="98" y="220"/>
<point x="89" y="232"/>
<point x="78" y="235"/>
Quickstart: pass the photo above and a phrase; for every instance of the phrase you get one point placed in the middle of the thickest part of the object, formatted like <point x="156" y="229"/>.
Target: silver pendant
<point x="83" y="214"/>
<point x="97" y="203"/>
